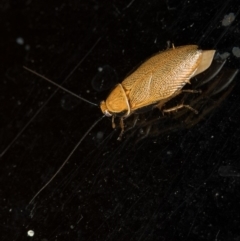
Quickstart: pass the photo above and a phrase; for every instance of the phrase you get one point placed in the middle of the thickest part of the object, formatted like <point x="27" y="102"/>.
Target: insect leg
<point x="180" y="107"/>
<point x="133" y="124"/>
<point x="122" y="129"/>
<point x="113" y="123"/>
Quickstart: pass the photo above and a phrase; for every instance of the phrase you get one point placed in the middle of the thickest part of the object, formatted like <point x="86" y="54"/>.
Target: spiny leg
<point x="180" y="107"/>
<point x="162" y="103"/>
<point x="191" y="91"/>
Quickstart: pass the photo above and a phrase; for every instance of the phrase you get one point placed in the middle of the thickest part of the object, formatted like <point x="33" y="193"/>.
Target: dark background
<point x="178" y="186"/>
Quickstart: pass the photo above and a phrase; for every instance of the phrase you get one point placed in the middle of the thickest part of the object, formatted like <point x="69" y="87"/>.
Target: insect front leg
<point x="113" y="123"/>
<point x="122" y="129"/>
<point x="182" y="105"/>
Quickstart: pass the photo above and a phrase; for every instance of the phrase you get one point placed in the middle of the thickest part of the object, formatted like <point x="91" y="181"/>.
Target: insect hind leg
<point x="191" y="91"/>
<point x="180" y="107"/>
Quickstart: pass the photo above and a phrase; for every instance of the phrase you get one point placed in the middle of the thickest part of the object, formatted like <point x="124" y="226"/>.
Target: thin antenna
<point x="69" y="156"/>
<point x="51" y="96"/>
<point x="59" y="86"/>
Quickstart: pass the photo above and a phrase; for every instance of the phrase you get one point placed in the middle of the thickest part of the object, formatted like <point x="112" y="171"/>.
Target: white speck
<point x="228" y="19"/>
<point x="20" y="41"/>
<point x="30" y="233"/>
<point x="212" y="137"/>
<point x="88" y="91"/>
<point x="100" y="69"/>
<point x="236" y="51"/>
<point x="19" y="102"/>
<point x="191" y="25"/>
<point x="100" y="135"/>
<point x="27" y="47"/>
<point x="155" y="41"/>
<point x="141" y="131"/>
<point x="80" y="219"/>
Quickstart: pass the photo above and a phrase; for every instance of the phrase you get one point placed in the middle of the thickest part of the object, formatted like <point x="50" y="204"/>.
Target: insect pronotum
<point x="155" y="82"/>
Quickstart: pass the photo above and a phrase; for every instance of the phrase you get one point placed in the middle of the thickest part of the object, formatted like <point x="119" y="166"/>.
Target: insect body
<point x="156" y="81"/>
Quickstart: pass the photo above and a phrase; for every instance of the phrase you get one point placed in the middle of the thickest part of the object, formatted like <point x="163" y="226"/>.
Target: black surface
<point x="182" y="185"/>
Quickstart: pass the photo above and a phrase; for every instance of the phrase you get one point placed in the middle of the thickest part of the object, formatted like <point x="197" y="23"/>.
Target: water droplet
<point x="30" y="233"/>
<point x="100" y="135"/>
<point x="20" y="41"/>
<point x="236" y="51"/>
<point x="225" y="55"/>
<point x="27" y="47"/>
<point x="228" y="19"/>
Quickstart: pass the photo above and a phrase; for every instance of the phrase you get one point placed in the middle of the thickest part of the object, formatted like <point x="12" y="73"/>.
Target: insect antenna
<point x="66" y="160"/>
<point x="41" y="108"/>
<point x="60" y="87"/>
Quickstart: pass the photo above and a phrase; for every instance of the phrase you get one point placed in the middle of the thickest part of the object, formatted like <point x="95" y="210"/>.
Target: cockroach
<point x="156" y="81"/>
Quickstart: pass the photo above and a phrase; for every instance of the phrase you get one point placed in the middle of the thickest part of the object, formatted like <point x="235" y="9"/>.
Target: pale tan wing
<point x="207" y="57"/>
<point x="170" y="71"/>
<point x="156" y="61"/>
<point x="142" y="90"/>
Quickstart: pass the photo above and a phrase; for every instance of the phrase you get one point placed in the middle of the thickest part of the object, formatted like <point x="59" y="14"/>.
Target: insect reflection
<point x="215" y="84"/>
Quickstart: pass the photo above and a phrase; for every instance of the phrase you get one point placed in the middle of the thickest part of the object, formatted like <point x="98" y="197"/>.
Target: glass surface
<point x="175" y="184"/>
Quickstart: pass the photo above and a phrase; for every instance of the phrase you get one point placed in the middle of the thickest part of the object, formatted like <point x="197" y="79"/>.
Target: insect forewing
<point x="162" y="75"/>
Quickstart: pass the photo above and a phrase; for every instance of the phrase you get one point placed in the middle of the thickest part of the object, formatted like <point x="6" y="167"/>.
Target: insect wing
<point x="162" y="75"/>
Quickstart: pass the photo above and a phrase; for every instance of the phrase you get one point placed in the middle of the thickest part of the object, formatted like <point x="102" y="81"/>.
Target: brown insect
<point x="156" y="81"/>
